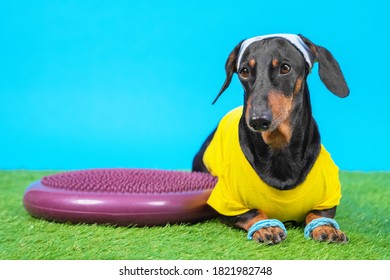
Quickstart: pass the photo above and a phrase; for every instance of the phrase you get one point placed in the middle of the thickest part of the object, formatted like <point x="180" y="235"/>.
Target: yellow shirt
<point x="239" y="188"/>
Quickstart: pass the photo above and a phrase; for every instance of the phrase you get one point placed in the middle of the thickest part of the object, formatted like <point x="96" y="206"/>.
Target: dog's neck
<point x="284" y="157"/>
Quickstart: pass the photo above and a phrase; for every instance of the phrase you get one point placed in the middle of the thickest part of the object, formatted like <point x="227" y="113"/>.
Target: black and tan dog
<point x="267" y="154"/>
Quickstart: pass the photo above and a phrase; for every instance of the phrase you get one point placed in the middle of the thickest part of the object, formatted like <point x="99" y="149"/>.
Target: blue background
<point x="93" y="84"/>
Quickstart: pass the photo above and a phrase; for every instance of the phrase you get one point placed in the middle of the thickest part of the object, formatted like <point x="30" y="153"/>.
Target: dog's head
<point x="273" y="70"/>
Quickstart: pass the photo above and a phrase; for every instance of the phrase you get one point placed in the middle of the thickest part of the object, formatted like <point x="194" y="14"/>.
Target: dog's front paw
<point x="270" y="235"/>
<point x="329" y="234"/>
<point x="325" y="230"/>
<point x="268" y="232"/>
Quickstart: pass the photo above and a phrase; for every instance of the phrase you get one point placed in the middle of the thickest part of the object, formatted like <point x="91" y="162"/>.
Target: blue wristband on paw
<point x="319" y="222"/>
<point x="265" y="223"/>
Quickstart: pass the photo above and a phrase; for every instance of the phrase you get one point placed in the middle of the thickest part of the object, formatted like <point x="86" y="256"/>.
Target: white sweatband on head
<point x="292" y="38"/>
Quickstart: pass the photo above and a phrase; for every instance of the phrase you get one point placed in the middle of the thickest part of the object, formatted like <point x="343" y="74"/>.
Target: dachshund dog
<point x="267" y="154"/>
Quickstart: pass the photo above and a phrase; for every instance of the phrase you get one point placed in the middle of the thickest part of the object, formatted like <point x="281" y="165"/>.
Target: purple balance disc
<point x="124" y="197"/>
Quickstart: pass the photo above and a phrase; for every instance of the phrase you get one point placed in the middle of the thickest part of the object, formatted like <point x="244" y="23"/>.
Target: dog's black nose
<point x="262" y="122"/>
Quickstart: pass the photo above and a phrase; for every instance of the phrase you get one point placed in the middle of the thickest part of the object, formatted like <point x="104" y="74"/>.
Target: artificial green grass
<point x="363" y="215"/>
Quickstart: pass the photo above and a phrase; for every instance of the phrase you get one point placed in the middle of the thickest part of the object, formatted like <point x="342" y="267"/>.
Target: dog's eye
<point x="244" y="72"/>
<point x="285" y="68"/>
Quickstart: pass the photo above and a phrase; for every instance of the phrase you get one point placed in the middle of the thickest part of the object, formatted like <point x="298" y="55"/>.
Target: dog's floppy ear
<point x="328" y="69"/>
<point x="230" y="68"/>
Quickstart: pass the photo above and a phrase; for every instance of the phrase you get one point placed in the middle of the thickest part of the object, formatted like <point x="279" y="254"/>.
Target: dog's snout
<point x="261" y="122"/>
